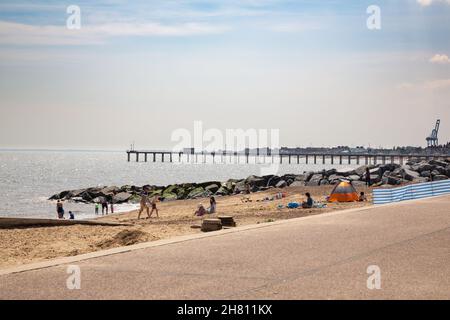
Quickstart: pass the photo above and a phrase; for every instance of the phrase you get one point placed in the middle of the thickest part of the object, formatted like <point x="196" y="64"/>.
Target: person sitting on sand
<point x="362" y="197"/>
<point x="144" y="204"/>
<point x="154" y="208"/>
<point x="309" y="201"/>
<point x="71" y="215"/>
<point x="212" y="205"/>
<point x="200" y="211"/>
<point x="60" y="209"/>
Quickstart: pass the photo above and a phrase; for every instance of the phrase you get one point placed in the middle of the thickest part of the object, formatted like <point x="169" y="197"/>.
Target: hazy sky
<point x="138" y="71"/>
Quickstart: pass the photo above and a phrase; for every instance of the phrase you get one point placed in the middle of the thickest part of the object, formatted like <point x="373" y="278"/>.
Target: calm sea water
<point x="29" y="178"/>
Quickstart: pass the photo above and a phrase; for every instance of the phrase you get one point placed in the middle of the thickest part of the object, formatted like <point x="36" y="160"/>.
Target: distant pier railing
<point x="269" y="157"/>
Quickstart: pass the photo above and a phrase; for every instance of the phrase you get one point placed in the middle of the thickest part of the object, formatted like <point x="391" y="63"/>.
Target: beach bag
<point x="293" y="205"/>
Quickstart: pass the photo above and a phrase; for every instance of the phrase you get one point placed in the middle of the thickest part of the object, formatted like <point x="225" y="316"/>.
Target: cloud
<point x="429" y="85"/>
<point x="437" y="84"/>
<point x="25" y="34"/>
<point x="440" y="58"/>
<point x="426" y="3"/>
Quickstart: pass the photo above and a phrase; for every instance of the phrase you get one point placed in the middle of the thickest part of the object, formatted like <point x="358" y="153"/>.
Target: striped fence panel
<point x="412" y="191"/>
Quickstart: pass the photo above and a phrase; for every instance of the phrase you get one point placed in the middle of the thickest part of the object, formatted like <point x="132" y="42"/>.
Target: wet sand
<point x="26" y="245"/>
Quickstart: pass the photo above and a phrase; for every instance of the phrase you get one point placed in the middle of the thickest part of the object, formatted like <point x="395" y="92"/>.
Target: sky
<point x="138" y="71"/>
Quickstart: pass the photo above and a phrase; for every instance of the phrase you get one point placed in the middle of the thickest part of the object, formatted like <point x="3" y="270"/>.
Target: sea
<point x="29" y="178"/>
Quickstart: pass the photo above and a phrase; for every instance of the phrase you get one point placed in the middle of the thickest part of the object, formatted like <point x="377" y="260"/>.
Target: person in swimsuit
<point x="154" y="208"/>
<point x="60" y="209"/>
<point x="144" y="204"/>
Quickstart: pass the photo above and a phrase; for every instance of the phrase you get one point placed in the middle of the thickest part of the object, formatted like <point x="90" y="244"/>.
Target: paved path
<point x="323" y="257"/>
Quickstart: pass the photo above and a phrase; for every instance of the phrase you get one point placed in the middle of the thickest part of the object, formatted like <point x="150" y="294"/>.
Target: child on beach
<point x="200" y="211"/>
<point x="154" y="208"/>
<point x="362" y="197"/>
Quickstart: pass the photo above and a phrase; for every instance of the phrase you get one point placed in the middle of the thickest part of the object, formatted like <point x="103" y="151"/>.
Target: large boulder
<point x="223" y="191"/>
<point x="272" y="182"/>
<point x="281" y="184"/>
<point x="256" y="181"/>
<point x="169" y="196"/>
<point x="315" y="180"/>
<point x="345" y="172"/>
<point x="361" y="171"/>
<point x="392" y="180"/>
<point x="437" y="163"/>
<point x="208" y="183"/>
<point x="298" y="183"/>
<point x="198" y="192"/>
<point x="353" y="177"/>
<point x="423" y="166"/>
<point x="375" y="171"/>
<point x="425" y="173"/>
<point x="334" y="178"/>
<point x="374" y="178"/>
<point x="240" y="187"/>
<point x="301" y="177"/>
<point x="110" y="190"/>
<point x="121" y="197"/>
<point x="212" y="187"/>
<point x="409" y="174"/>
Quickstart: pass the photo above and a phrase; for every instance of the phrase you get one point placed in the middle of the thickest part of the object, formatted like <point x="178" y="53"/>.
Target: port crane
<point x="432" y="139"/>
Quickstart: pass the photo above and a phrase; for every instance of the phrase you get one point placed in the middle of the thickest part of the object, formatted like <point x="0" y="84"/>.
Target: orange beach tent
<point x="344" y="191"/>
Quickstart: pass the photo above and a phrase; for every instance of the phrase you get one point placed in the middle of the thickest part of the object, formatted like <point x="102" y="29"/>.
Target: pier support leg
<point x="315" y="159"/>
<point x="162" y="157"/>
<point x="289" y="159"/>
<point x="171" y="157"/>
<point x="332" y="159"/>
<point x="137" y="157"/>
<point x="349" y="159"/>
<point x="323" y="159"/>
<point x="145" y="157"/>
<point x="357" y="159"/>
<point x="128" y="157"/>
<point x="154" y="157"/>
<point x="340" y="159"/>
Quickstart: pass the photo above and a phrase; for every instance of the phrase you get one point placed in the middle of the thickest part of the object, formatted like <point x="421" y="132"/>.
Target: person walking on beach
<point x="154" y="208"/>
<point x="97" y="206"/>
<point x="60" y="209"/>
<point x="112" y="206"/>
<point x="144" y="204"/>
<point x="104" y="206"/>
<point x="368" y="182"/>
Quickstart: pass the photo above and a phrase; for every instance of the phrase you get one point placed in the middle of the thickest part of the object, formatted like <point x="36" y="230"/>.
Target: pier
<point x="268" y="157"/>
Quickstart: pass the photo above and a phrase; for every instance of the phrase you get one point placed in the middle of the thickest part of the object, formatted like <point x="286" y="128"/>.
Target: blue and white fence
<point x="412" y="191"/>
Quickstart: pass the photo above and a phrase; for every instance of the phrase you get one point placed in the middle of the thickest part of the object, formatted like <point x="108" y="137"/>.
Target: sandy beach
<point x="26" y="245"/>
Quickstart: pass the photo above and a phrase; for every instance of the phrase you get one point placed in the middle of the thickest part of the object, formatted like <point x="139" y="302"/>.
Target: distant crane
<point x="432" y="140"/>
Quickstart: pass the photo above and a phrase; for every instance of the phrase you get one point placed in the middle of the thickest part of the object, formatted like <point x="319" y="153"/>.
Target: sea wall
<point x="386" y="174"/>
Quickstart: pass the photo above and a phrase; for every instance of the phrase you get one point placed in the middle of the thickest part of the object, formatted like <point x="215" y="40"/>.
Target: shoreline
<point x="26" y="245"/>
